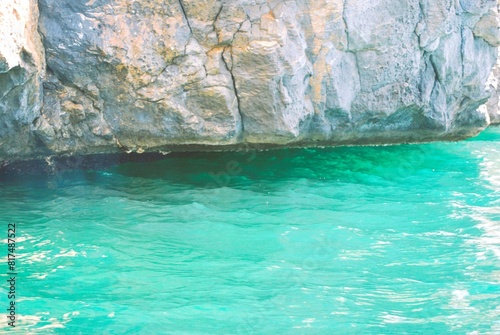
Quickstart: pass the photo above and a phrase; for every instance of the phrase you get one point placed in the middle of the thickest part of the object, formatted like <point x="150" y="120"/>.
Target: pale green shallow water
<point x="372" y="240"/>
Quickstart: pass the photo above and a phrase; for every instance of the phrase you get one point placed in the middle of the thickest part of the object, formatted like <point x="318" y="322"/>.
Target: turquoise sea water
<point x="368" y="240"/>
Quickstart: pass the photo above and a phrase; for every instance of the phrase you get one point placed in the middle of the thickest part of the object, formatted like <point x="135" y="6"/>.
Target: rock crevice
<point x="241" y="129"/>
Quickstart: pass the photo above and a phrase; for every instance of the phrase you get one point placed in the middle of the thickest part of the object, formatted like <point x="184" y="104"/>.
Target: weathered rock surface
<point x="492" y="107"/>
<point x="21" y="67"/>
<point x="207" y="74"/>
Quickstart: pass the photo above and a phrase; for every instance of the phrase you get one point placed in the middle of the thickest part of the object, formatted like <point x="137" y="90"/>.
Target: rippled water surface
<point x="370" y="240"/>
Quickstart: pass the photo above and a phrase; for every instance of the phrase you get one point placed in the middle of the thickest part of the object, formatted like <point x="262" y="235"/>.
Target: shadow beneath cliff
<point x="382" y="165"/>
<point x="436" y="163"/>
<point x="41" y="169"/>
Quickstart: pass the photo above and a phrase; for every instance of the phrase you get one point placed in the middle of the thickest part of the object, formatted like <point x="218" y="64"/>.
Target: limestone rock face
<point x="492" y="107"/>
<point x="21" y="67"/>
<point x="207" y="74"/>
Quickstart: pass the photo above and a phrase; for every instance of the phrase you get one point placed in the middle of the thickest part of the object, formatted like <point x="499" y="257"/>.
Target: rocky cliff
<point x="492" y="107"/>
<point x="22" y="65"/>
<point x="103" y="76"/>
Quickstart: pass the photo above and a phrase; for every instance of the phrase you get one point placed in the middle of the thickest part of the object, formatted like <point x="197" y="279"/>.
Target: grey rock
<point x="151" y="75"/>
<point x="487" y="28"/>
<point x="492" y="107"/>
<point x="22" y="64"/>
